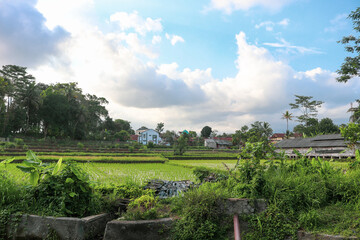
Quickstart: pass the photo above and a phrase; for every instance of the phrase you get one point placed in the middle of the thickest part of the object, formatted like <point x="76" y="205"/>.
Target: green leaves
<point x="57" y="167"/>
<point x="37" y="169"/>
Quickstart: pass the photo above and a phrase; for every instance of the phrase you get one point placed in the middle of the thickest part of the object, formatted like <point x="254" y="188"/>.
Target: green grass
<point x="218" y="164"/>
<point x="112" y="173"/>
<point x="91" y="158"/>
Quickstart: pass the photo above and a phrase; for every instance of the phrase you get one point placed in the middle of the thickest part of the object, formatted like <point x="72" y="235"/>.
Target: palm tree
<point x="288" y="116"/>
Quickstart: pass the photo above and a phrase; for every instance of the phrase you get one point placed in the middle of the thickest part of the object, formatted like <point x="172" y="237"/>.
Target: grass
<point x="91" y="158"/>
<point x="112" y="173"/>
<point x="218" y="164"/>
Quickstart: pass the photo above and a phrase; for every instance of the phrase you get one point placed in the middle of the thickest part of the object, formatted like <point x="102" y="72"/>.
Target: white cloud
<point x="174" y="38"/>
<point x="134" y="21"/>
<point x="285" y="22"/>
<point x="292" y="48"/>
<point x="228" y="6"/>
<point x="156" y="39"/>
<point x="337" y="23"/>
<point x="24" y="38"/>
<point x="115" y="65"/>
<point x="269" y="25"/>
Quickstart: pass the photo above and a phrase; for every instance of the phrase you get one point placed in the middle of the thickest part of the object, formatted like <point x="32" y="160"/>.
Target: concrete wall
<point x="38" y="227"/>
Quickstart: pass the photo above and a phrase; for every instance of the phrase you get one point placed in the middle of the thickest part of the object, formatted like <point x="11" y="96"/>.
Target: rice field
<point x="113" y="173"/>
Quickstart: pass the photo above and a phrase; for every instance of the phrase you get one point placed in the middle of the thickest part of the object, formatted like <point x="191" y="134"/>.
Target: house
<point x="325" y="146"/>
<point x="218" y="143"/>
<point x="140" y="130"/>
<point x="149" y="135"/>
<point x="277" y="137"/>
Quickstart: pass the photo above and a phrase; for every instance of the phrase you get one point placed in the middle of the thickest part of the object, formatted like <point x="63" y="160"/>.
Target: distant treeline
<point x="57" y="110"/>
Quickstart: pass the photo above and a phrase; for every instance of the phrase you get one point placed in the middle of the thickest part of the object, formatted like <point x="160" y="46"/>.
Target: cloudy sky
<point x="222" y="63"/>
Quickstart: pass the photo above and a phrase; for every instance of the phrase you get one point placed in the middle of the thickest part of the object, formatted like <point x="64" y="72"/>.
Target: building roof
<point x="218" y="141"/>
<point x="330" y="140"/>
<point x="134" y="137"/>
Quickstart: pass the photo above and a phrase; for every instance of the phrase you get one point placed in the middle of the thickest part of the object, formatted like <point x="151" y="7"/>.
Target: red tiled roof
<point x="134" y="137"/>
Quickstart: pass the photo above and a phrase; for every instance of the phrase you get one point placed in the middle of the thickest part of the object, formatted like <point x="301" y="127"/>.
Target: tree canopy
<point x="206" y="131"/>
<point x="351" y="66"/>
<point x="307" y="106"/>
<point x="59" y="110"/>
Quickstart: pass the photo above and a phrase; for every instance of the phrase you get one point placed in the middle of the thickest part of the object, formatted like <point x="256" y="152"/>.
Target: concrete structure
<point x="149" y="135"/>
<point x="134" y="230"/>
<point x="325" y="146"/>
<point x="38" y="227"/>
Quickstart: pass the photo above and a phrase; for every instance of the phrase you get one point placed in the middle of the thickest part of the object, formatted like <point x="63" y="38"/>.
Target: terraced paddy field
<point x="113" y="173"/>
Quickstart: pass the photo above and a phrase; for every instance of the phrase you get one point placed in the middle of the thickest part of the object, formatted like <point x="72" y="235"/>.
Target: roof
<point x="330" y="140"/>
<point x="278" y="135"/>
<point x="134" y="137"/>
<point x="218" y="141"/>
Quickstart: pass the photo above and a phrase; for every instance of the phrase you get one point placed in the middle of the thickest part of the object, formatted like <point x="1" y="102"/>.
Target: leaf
<point x="82" y="188"/>
<point x="26" y="169"/>
<point x="6" y="161"/>
<point x="30" y="155"/>
<point x="34" y="178"/>
<point x="57" y="167"/>
<point x="72" y="194"/>
<point x="69" y="180"/>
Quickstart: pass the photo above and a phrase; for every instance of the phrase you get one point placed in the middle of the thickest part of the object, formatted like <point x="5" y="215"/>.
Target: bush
<point x="80" y="145"/>
<point x="201" y="216"/>
<point x="66" y="194"/>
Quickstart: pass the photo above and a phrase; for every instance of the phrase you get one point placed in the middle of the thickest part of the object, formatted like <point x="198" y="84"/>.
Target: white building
<point x="149" y="135"/>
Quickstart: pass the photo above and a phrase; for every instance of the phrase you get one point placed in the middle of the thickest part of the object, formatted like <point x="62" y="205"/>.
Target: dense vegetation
<point x="59" y="110"/>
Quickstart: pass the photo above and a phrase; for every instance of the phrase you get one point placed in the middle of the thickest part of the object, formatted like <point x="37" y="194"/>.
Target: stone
<point x="42" y="227"/>
<point x="134" y="230"/>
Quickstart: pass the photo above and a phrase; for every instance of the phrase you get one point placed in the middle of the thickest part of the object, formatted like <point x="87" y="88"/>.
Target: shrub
<point x="201" y="216"/>
<point x="80" y="145"/>
<point x="67" y="194"/>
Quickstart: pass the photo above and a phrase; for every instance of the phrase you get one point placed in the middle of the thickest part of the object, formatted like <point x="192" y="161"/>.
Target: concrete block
<point x="135" y="230"/>
<point x="42" y="227"/>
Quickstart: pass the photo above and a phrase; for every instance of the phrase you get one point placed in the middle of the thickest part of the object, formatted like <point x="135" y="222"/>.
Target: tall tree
<point x="288" y="116"/>
<point x="160" y="127"/>
<point x="351" y="66"/>
<point x="307" y="106"/>
<point x="206" y="131"/>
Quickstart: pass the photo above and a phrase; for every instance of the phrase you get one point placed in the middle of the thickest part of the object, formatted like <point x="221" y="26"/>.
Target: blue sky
<point x="222" y="63"/>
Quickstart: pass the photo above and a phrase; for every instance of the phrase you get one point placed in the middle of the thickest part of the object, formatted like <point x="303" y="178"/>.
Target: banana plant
<point x="38" y="169"/>
<point x="6" y="161"/>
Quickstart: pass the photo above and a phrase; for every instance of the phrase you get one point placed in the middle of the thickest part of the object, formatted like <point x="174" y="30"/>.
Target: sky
<point x="186" y="63"/>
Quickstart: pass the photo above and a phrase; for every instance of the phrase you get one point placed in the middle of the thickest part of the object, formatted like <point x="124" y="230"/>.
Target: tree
<point x="169" y="136"/>
<point x="192" y="134"/>
<point x="352" y="134"/>
<point x="206" y="131"/>
<point x="181" y="144"/>
<point x="259" y="131"/>
<point x="327" y="126"/>
<point x="122" y="136"/>
<point x="160" y="127"/>
<point x="240" y="136"/>
<point x="307" y="106"/>
<point x="288" y="116"/>
<point x="351" y="66"/>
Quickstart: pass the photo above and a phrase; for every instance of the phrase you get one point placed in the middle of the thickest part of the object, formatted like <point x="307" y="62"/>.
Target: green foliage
<point x="351" y="66"/>
<point x="272" y="224"/>
<point x="351" y="133"/>
<point x="202" y="172"/>
<point x="36" y="168"/>
<point x="80" y="145"/>
<point x="307" y="106"/>
<point x="150" y="145"/>
<point x="181" y="145"/>
<point x="201" y="215"/>
<point x="206" y="131"/>
<point x="68" y="193"/>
